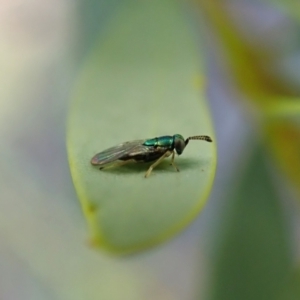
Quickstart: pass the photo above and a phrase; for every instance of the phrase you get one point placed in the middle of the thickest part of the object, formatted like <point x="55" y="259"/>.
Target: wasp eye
<point x="179" y="144"/>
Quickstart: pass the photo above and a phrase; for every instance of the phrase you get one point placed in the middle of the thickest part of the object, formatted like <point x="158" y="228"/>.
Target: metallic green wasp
<point x="149" y="150"/>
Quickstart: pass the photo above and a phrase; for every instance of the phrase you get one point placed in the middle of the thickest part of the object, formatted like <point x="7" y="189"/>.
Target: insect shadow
<point x="182" y="164"/>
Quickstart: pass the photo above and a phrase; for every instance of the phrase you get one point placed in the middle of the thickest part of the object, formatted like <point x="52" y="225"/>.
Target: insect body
<point x="149" y="150"/>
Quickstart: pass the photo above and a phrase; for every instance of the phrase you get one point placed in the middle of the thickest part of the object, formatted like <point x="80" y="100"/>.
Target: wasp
<point x="147" y="150"/>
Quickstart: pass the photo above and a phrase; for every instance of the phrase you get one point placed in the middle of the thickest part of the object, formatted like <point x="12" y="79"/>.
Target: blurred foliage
<point x="292" y="290"/>
<point x="94" y="17"/>
<point x="251" y="66"/>
<point x="253" y="258"/>
<point x="290" y="6"/>
<point x="250" y="63"/>
<point x="160" y="87"/>
<point x="283" y="135"/>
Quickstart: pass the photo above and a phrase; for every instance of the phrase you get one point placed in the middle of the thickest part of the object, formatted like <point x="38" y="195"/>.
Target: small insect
<point x="149" y="150"/>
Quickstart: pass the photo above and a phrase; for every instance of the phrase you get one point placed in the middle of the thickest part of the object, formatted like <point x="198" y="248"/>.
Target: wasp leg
<point x="173" y="163"/>
<point x="168" y="153"/>
<point x="117" y="164"/>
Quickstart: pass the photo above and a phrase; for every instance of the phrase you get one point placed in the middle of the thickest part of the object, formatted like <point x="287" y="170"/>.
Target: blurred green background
<point x="245" y="242"/>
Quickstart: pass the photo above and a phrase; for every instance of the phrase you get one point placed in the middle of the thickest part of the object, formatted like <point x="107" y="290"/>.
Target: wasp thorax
<point x="179" y="143"/>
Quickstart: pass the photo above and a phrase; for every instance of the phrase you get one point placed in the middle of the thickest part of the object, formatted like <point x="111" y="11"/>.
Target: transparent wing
<point x="124" y="150"/>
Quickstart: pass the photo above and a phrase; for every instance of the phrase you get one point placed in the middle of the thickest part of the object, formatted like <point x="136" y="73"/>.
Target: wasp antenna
<point x="199" y="137"/>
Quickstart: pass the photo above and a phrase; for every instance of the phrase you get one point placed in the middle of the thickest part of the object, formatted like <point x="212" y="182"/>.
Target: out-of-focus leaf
<point x="94" y="16"/>
<point x="292" y="290"/>
<point x="248" y="63"/>
<point x="290" y="6"/>
<point x="42" y="252"/>
<point x="252" y="261"/>
<point x="283" y="134"/>
<point x="143" y="80"/>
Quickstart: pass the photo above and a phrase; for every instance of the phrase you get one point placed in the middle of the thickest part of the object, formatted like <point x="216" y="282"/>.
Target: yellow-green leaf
<point x="292" y="289"/>
<point x="142" y="80"/>
<point x="250" y="65"/>
<point x="282" y="128"/>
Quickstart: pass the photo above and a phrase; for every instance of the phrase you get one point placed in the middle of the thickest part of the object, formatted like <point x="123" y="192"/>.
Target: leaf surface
<point x="141" y="81"/>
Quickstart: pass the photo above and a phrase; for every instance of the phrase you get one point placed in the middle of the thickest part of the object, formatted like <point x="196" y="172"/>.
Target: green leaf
<point x="292" y="289"/>
<point x="282" y="130"/>
<point x="142" y="80"/>
<point x="253" y="260"/>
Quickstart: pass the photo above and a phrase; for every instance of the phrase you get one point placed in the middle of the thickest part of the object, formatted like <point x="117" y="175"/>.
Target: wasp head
<point x="179" y="143"/>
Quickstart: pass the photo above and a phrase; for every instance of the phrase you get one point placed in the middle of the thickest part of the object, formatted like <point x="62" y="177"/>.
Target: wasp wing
<point x="115" y="153"/>
<point x="128" y="150"/>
